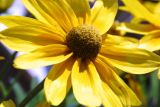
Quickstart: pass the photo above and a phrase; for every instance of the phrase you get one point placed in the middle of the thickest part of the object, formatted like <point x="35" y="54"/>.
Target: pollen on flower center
<point x="84" y="41"/>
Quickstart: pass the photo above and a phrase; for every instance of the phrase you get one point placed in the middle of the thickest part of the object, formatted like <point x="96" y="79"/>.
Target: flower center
<point x="84" y="41"/>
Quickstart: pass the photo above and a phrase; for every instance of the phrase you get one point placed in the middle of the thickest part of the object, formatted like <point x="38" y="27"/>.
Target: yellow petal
<point x="134" y="101"/>
<point x="136" y="8"/>
<point x="151" y="41"/>
<point x="12" y="21"/>
<point x="120" y="41"/>
<point x="83" y="84"/>
<point x="103" y="14"/>
<point x="30" y="37"/>
<point x="62" y="14"/>
<point x="8" y="103"/>
<point x="81" y="8"/>
<point x="58" y="82"/>
<point x="136" y="61"/>
<point x="47" y="55"/>
<point x="110" y="99"/>
<point x="136" y="28"/>
<point x="39" y="13"/>
<point x="125" y="94"/>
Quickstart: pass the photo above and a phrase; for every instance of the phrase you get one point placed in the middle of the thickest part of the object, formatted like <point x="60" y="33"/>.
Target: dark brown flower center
<point x="84" y="41"/>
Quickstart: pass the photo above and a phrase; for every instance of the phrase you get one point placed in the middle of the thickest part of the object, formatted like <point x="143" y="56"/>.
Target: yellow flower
<point x="5" y="4"/>
<point x="72" y="36"/>
<point x="8" y="103"/>
<point x="149" y="12"/>
<point x="144" y="11"/>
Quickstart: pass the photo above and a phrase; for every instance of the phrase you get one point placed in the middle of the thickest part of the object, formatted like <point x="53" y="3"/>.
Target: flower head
<point x="73" y="37"/>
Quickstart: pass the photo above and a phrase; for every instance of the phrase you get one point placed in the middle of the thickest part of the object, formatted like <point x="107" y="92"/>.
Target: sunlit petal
<point x="136" y="61"/>
<point x="83" y="85"/>
<point x="131" y="95"/>
<point x="124" y="93"/>
<point x="58" y="82"/>
<point x="136" y="8"/>
<point x="62" y="14"/>
<point x="47" y="55"/>
<point x="151" y="41"/>
<point x="82" y="10"/>
<point x="12" y="21"/>
<point x="137" y="28"/>
<point x="30" y="37"/>
<point x="127" y="42"/>
<point x="103" y="14"/>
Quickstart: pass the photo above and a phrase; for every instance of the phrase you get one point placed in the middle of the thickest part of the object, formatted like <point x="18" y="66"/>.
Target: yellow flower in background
<point x="150" y="12"/>
<point x="144" y="11"/>
<point x="72" y="36"/>
<point x="8" y="103"/>
<point x="1" y="57"/>
<point x="136" y="87"/>
<point x="43" y="104"/>
<point x="5" y="4"/>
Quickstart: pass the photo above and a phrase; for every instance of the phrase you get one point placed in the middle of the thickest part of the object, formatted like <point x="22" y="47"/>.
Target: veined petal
<point x="151" y="41"/>
<point x="134" y="101"/>
<point x="103" y="14"/>
<point x="82" y="10"/>
<point x="120" y="41"/>
<point x="136" y="61"/>
<point x="110" y="99"/>
<point x="136" y="8"/>
<point x="83" y="84"/>
<point x="12" y="21"/>
<point x="30" y="37"/>
<point x="57" y="82"/>
<point x="53" y="12"/>
<point x="8" y="103"/>
<point x="124" y="93"/>
<point x="136" y="28"/>
<point x="40" y="13"/>
<point x="153" y="7"/>
<point x="47" y="55"/>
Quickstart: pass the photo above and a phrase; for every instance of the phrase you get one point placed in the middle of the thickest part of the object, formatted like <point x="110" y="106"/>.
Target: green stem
<point x="159" y="96"/>
<point x="32" y="94"/>
<point x="7" y="66"/>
